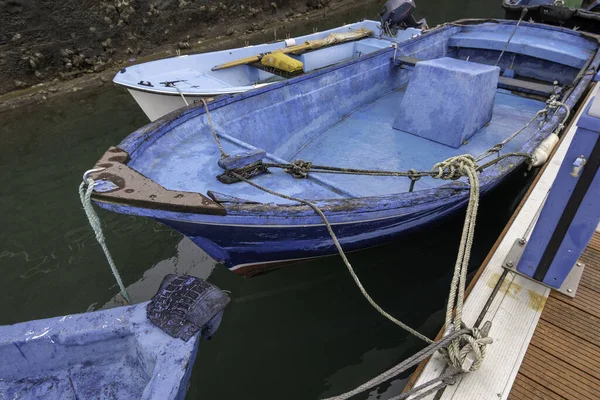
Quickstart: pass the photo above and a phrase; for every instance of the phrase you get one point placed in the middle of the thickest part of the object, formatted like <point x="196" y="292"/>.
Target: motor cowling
<point x="398" y="14"/>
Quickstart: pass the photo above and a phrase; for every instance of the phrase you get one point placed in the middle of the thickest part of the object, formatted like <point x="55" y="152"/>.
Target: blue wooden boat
<point x="581" y="14"/>
<point x="111" y="354"/>
<point x="162" y="86"/>
<point x="436" y="96"/>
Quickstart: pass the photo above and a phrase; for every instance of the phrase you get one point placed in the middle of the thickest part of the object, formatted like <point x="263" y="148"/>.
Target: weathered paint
<point x="115" y="353"/>
<point x="341" y="116"/>
<point x="585" y="219"/>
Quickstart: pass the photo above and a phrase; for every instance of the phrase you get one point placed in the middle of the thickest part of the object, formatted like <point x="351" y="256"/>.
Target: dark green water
<point x="301" y="332"/>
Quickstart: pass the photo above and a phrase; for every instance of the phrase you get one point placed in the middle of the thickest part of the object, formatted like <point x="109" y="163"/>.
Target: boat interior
<point x="76" y="368"/>
<point x="459" y="89"/>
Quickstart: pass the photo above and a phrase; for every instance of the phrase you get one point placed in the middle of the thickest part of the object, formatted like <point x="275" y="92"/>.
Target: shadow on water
<point x="301" y="332"/>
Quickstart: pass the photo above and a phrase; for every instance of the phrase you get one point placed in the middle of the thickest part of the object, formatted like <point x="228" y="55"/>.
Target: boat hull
<point x="166" y="170"/>
<point x="155" y="105"/>
<point x="250" y="248"/>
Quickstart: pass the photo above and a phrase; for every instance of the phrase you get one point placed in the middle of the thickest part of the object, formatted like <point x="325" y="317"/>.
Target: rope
<point x="212" y="127"/>
<point x="181" y="94"/>
<point x="342" y="254"/>
<point x="511" y="36"/>
<point x="403" y="366"/>
<point x="458" y="343"/>
<point x="85" y="194"/>
<point x="498" y="147"/>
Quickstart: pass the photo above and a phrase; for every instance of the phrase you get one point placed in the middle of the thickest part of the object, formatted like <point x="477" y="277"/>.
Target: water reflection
<point x="189" y="259"/>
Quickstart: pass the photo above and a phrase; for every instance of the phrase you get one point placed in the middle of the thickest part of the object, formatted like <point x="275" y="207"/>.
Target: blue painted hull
<point x="250" y="249"/>
<point x="337" y="116"/>
<point x="114" y="353"/>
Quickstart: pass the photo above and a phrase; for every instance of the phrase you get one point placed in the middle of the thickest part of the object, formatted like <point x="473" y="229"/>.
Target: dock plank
<point x="573" y="320"/>
<point x="563" y="357"/>
<point x="545" y="346"/>
<point x="526" y="389"/>
<point x="587" y="300"/>
<point x="556" y="375"/>
<point x="568" y="347"/>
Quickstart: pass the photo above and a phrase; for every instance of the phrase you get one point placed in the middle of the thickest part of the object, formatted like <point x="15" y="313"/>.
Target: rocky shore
<point x="53" y="47"/>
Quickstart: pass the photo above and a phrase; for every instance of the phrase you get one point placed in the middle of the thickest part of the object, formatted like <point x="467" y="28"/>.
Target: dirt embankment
<point x="47" y="45"/>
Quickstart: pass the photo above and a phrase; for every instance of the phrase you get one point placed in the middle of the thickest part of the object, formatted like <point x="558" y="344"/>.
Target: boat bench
<point x="503" y="81"/>
<point x="546" y="49"/>
<point x="448" y="100"/>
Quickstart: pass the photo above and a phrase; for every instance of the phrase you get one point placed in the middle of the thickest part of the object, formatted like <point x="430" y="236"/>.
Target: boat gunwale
<point x="141" y="138"/>
<point x="169" y="91"/>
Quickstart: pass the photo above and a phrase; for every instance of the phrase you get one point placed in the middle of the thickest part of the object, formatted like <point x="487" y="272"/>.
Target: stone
<point x="448" y="100"/>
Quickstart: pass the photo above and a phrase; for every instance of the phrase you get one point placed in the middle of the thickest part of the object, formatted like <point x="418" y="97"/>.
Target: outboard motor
<point x="397" y="14"/>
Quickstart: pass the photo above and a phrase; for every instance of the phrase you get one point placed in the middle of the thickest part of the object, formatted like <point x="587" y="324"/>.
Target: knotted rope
<point x="85" y="194"/>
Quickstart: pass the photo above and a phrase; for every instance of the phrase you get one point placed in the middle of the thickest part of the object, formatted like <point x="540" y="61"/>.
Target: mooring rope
<point x="212" y="128"/>
<point x="342" y="254"/>
<point x="85" y="194"/>
<point x="410" y="362"/>
<point x="511" y="35"/>
<point x="457" y="344"/>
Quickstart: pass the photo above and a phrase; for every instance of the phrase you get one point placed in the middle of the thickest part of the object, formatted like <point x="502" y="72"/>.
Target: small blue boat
<point x="111" y="354"/>
<point x="462" y="88"/>
<point x="581" y="14"/>
<point x="162" y="86"/>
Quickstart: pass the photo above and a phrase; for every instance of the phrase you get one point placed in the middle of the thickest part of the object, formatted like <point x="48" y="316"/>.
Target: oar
<point x="332" y="39"/>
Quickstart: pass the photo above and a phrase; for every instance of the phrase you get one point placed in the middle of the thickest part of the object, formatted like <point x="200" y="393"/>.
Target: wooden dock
<point x="546" y="345"/>
<point x="563" y="358"/>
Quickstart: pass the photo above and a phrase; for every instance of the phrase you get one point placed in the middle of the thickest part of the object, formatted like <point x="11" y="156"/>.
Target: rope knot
<point x="299" y="169"/>
<point x="468" y="352"/>
<point x="454" y="167"/>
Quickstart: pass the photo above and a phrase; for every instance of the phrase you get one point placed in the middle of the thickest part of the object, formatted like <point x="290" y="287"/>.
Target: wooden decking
<point x="563" y="358"/>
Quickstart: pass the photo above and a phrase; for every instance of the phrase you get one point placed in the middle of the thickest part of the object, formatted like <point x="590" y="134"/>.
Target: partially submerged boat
<point x="116" y="354"/>
<point x="162" y="86"/>
<point x="145" y="351"/>
<point x="475" y="87"/>
<point x="581" y="14"/>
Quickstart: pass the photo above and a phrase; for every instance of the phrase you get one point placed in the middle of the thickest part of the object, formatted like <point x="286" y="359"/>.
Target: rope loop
<point x="299" y="168"/>
<point x="468" y="352"/>
<point x="454" y="167"/>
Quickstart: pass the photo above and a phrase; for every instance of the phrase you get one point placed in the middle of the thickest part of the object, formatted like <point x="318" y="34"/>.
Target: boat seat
<point x="448" y="100"/>
<point x="503" y="81"/>
<point x="546" y="49"/>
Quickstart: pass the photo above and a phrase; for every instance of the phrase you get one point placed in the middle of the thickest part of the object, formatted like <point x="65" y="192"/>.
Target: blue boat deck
<point x="367" y="140"/>
<point x="364" y="139"/>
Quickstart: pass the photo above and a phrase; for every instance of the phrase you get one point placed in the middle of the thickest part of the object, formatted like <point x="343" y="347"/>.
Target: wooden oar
<point x="332" y="39"/>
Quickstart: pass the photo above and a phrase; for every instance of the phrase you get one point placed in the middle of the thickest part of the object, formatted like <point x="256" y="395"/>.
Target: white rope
<point x="474" y="343"/>
<point x="85" y="194"/>
<point x="467" y="343"/>
<point x="181" y="94"/>
<point x="342" y="254"/>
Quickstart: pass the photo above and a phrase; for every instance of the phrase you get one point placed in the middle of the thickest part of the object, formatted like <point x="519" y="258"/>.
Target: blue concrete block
<point x="448" y="100"/>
